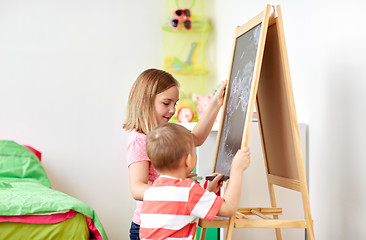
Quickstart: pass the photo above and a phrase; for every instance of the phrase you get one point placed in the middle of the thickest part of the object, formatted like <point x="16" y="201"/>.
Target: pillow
<point x="16" y="161"/>
<point x="35" y="151"/>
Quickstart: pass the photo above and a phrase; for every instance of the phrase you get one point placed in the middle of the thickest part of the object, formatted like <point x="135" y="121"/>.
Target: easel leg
<point x="310" y="232"/>
<point x="203" y="234"/>
<point x="273" y="203"/>
<point x="230" y="228"/>
<point x="278" y="234"/>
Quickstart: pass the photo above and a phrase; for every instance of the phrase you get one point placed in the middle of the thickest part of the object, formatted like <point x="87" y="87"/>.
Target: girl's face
<point x="165" y="104"/>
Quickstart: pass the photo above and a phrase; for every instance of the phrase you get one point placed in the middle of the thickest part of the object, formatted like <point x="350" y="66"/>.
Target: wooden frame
<point x="247" y="84"/>
<point x="272" y="90"/>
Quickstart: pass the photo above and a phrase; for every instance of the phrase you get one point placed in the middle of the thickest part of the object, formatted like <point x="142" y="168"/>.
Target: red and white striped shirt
<point x="172" y="207"/>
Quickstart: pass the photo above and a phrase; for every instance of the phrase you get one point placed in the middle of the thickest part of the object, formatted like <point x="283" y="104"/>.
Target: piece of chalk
<point x="197" y="178"/>
<point x="210" y="178"/>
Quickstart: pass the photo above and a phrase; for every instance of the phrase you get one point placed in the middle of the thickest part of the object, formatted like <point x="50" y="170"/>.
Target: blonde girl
<point x="152" y="102"/>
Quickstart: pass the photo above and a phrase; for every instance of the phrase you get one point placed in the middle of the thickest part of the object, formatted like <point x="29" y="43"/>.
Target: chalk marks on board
<point x="238" y="96"/>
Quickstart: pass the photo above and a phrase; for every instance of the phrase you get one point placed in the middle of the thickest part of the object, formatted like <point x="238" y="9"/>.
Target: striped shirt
<point x="172" y="207"/>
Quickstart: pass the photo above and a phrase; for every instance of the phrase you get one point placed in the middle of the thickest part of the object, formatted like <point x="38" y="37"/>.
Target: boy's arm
<point x="203" y="127"/>
<point x="232" y="193"/>
<point x="231" y="196"/>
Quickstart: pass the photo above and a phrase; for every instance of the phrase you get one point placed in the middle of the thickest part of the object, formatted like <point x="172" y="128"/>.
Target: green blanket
<point x="25" y="188"/>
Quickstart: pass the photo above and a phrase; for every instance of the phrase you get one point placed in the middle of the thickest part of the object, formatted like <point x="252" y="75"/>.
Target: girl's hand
<point x="220" y="94"/>
<point x="216" y="183"/>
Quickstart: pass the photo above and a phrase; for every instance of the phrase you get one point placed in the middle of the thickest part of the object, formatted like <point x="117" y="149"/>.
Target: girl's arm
<point x="203" y="127"/>
<point x="139" y="174"/>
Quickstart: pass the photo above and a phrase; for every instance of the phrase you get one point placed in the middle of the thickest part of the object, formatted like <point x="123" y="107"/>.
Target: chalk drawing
<point x="237" y="99"/>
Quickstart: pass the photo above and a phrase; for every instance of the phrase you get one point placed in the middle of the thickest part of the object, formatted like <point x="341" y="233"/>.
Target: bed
<point x="31" y="209"/>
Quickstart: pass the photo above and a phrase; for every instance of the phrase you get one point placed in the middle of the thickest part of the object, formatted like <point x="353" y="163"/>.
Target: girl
<point x="151" y="103"/>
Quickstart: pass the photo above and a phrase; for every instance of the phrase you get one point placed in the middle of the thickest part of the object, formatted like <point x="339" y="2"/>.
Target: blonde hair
<point x="167" y="144"/>
<point x="140" y="109"/>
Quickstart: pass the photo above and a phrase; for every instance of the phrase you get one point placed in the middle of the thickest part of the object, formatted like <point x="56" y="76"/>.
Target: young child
<point x="173" y="205"/>
<point x="151" y="103"/>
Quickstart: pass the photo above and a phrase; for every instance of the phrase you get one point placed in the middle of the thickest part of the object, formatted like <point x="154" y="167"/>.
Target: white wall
<point x="337" y="120"/>
<point x="326" y="49"/>
<point x="66" y="68"/>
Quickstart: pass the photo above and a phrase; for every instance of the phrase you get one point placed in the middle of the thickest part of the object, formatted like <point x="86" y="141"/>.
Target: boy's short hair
<point x="167" y="144"/>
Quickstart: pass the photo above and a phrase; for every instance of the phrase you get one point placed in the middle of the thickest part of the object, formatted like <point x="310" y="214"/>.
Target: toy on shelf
<point x="185" y="111"/>
<point x="202" y="104"/>
<point x="185" y="115"/>
<point x="185" y="33"/>
<point x="182" y="17"/>
<point x="188" y="67"/>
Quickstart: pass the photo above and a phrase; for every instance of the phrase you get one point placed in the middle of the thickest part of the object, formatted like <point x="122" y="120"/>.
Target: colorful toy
<point x="185" y="110"/>
<point x="185" y="115"/>
<point x="202" y="104"/>
<point x="187" y="67"/>
<point x="181" y="18"/>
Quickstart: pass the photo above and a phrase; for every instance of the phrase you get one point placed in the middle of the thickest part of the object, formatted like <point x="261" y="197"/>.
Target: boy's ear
<point x="187" y="160"/>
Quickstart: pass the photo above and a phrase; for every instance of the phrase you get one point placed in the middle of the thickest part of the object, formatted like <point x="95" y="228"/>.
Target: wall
<point x="66" y="68"/>
<point x="337" y="118"/>
<point x="325" y="43"/>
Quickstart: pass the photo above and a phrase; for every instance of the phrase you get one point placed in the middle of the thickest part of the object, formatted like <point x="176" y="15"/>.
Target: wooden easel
<point x="271" y="89"/>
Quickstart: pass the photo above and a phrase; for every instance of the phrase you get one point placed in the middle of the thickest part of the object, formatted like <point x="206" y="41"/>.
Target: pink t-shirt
<point x="136" y="152"/>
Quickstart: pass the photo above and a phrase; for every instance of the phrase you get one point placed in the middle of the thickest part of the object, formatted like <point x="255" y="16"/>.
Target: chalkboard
<point x="260" y="74"/>
<point x="237" y="98"/>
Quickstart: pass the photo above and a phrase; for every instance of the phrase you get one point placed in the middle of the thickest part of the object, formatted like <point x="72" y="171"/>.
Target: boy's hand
<point x="216" y="183"/>
<point x="191" y="174"/>
<point x="241" y="159"/>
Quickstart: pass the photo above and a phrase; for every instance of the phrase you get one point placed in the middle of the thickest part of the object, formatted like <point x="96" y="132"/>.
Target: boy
<point x="174" y="203"/>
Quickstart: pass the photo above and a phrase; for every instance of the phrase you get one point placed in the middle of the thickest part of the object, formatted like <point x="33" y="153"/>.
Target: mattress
<point x="27" y="201"/>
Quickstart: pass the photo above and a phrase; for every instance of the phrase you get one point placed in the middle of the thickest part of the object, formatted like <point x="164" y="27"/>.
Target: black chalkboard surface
<point x="237" y="98"/>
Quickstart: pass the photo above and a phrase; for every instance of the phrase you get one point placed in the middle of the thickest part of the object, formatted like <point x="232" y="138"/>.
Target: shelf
<point x="191" y="125"/>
